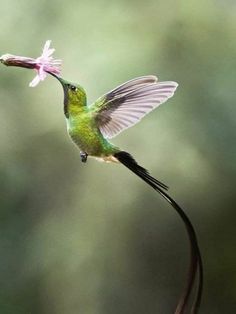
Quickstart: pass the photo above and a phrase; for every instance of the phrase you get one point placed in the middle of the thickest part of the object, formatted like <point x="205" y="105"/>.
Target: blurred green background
<point x="92" y="238"/>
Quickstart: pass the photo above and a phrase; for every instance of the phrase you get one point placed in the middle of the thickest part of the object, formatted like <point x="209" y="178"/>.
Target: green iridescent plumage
<point x="91" y="126"/>
<point x="81" y="123"/>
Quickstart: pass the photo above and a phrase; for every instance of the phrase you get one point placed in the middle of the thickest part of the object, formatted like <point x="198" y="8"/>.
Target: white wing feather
<point x="130" y="102"/>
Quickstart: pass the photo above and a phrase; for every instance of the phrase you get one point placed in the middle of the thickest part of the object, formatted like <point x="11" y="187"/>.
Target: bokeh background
<point x="92" y="238"/>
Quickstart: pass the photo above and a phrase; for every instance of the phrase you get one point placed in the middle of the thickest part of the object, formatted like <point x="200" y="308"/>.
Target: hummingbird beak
<point x="58" y="78"/>
<point x="64" y="85"/>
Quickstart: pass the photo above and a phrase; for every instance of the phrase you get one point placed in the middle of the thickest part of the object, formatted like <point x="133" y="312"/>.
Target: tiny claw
<point x="83" y="156"/>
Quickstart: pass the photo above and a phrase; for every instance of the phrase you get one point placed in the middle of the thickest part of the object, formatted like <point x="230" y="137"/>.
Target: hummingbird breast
<point x="85" y="134"/>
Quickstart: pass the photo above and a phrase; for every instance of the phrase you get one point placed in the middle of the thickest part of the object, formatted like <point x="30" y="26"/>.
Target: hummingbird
<point x="92" y="126"/>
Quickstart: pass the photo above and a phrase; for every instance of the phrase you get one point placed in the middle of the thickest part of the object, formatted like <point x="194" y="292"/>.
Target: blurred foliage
<point x="93" y="238"/>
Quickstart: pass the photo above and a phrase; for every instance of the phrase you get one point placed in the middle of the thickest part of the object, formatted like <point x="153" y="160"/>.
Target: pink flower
<point x="43" y="64"/>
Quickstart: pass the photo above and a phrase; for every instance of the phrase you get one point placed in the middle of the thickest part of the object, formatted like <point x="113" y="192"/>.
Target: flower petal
<point x="35" y="81"/>
<point x="41" y="73"/>
<point x="46" y="46"/>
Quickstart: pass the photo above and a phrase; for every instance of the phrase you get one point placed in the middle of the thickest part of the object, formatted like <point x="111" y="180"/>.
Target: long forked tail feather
<point x="195" y="256"/>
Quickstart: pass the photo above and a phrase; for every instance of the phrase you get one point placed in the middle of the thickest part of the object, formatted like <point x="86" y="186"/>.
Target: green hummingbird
<point x="91" y="128"/>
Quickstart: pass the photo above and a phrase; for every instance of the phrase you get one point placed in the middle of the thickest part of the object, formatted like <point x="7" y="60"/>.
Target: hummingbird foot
<point x="83" y="156"/>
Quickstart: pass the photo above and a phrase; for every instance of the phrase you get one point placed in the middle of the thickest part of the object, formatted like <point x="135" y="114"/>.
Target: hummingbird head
<point x="74" y="94"/>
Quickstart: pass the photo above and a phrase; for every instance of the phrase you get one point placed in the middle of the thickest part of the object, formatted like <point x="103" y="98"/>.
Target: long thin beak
<point x="63" y="83"/>
<point x="58" y="78"/>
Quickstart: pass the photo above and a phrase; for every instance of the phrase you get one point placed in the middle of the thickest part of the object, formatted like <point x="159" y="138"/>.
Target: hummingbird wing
<point x="127" y="104"/>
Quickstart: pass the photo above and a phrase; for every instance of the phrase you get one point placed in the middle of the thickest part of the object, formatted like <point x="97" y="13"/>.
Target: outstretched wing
<point x="127" y="104"/>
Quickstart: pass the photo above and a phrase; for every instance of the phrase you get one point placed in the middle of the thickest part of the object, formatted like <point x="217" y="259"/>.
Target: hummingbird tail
<point x="195" y="255"/>
<point x="127" y="160"/>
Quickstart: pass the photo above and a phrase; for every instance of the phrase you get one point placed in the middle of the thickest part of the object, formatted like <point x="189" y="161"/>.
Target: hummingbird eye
<point x="73" y="88"/>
